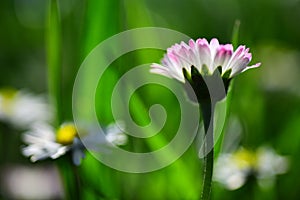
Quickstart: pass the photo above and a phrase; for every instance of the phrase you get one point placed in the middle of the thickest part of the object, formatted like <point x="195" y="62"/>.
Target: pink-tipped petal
<point x="204" y="54"/>
<point x="239" y="66"/>
<point x="252" y="66"/>
<point x="159" y="69"/>
<point x="192" y="43"/>
<point x="249" y="56"/>
<point x="236" y="58"/>
<point x="214" y="45"/>
<point x="184" y="45"/>
<point x="239" y="51"/>
<point x="202" y="41"/>
<point x="219" y="57"/>
<point x="223" y="55"/>
<point x="174" y="59"/>
<point x="161" y="72"/>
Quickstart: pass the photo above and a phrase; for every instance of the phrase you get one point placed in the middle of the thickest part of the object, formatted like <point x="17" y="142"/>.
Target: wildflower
<point x="199" y="59"/>
<point x="30" y="182"/>
<point x="21" y="108"/>
<point x="205" y="57"/>
<point x="233" y="170"/>
<point x="198" y="63"/>
<point x="44" y="142"/>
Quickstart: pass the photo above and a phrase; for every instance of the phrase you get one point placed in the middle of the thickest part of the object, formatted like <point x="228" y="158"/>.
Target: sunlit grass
<point x="265" y="102"/>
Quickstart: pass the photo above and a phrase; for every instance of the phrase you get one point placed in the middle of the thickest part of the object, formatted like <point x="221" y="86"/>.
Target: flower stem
<point x="207" y="114"/>
<point x="77" y="191"/>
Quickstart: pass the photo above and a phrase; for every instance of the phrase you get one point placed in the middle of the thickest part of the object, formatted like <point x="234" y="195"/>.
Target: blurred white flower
<point x="269" y="163"/>
<point x="30" y="182"/>
<point x="275" y="78"/>
<point x="232" y="170"/>
<point x="44" y="142"/>
<point x="21" y="108"/>
<point x="115" y="135"/>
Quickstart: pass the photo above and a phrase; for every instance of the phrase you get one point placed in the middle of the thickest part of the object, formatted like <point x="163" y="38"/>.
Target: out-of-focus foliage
<point x="266" y="100"/>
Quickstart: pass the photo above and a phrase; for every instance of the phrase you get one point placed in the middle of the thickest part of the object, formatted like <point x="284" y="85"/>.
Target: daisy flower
<point x="201" y="58"/>
<point x="21" y="108"/>
<point x="195" y="64"/>
<point x="44" y="142"/>
<point x="233" y="170"/>
<point x="205" y="57"/>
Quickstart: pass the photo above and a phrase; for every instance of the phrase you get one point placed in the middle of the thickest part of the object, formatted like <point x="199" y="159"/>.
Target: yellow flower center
<point x="66" y="134"/>
<point x="7" y="96"/>
<point x="245" y="159"/>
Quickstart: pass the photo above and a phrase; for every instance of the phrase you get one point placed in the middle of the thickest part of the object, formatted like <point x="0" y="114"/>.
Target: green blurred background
<point x="266" y="100"/>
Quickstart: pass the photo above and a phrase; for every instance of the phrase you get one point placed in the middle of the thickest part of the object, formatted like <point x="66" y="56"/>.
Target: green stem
<point x="77" y="191"/>
<point x="207" y="110"/>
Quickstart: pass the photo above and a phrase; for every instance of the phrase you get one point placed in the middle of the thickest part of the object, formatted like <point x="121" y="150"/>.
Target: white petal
<point x="252" y="66"/>
<point x="77" y="156"/>
<point x="239" y="66"/>
<point x="214" y="45"/>
<point x="59" y="152"/>
<point x="235" y="56"/>
<point x="204" y="54"/>
<point x="27" y="109"/>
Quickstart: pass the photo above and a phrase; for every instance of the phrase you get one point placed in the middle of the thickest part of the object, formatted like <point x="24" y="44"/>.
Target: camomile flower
<point x="21" y="108"/>
<point x="208" y="68"/>
<point x="201" y="58"/>
<point x="44" y="142"/>
<point x="232" y="170"/>
<point x="205" y="57"/>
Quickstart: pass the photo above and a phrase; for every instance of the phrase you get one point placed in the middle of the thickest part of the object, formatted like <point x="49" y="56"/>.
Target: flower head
<point x="44" y="142"/>
<point x="232" y="170"/>
<point x="21" y="108"/>
<point x="205" y="57"/>
<point x="199" y="61"/>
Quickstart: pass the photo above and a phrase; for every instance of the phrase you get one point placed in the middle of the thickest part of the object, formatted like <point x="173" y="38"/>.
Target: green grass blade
<point x="235" y="33"/>
<point x="54" y="57"/>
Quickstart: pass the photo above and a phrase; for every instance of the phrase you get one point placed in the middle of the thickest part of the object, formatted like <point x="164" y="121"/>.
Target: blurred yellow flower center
<point x="245" y="158"/>
<point x="7" y="95"/>
<point x="66" y="134"/>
